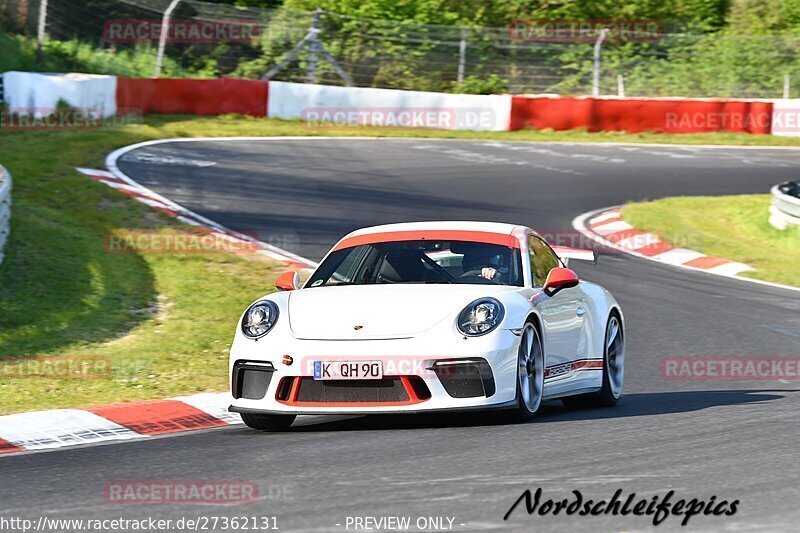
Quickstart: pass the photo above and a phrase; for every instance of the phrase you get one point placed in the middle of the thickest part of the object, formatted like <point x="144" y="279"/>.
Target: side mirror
<point x="288" y="281"/>
<point x="560" y="278"/>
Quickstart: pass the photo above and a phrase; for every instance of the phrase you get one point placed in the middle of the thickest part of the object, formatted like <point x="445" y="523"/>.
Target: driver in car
<point x="485" y="265"/>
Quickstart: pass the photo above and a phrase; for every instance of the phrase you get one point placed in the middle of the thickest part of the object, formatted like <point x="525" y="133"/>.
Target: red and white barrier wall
<point x="193" y="97"/>
<point x="387" y="107"/>
<point x="634" y="115"/>
<point x="40" y="93"/>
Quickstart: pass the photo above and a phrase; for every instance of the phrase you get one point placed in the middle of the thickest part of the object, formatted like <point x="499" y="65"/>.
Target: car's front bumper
<point x="411" y="358"/>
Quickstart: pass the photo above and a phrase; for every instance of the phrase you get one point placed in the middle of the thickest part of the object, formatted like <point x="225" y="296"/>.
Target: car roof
<point x="456" y="225"/>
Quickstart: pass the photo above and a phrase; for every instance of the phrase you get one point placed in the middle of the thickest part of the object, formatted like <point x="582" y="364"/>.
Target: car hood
<point x="381" y="311"/>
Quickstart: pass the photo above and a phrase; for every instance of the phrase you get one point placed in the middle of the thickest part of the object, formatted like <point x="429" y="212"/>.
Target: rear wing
<point x="565" y="254"/>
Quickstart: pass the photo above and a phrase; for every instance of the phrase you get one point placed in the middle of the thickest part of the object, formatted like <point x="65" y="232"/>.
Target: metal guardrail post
<point x="598" y="46"/>
<point x="462" y="55"/>
<point x="5" y="208"/>
<point x="162" y="38"/>
<point x="785" y="208"/>
<point x="315" y="45"/>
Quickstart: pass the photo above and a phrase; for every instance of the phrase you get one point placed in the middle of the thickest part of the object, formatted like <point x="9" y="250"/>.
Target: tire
<point x="613" y="369"/>
<point x="530" y="374"/>
<point x="268" y="422"/>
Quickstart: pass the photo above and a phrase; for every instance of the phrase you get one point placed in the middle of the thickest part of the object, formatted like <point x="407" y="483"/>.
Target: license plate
<point x="348" y="370"/>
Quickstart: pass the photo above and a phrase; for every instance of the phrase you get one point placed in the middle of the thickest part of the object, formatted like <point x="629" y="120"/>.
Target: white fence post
<point x="620" y="86"/>
<point x="42" y="25"/>
<point x="598" y="45"/>
<point x="786" y="85"/>
<point x="162" y="38"/>
<point x="462" y="55"/>
<point x="5" y="208"/>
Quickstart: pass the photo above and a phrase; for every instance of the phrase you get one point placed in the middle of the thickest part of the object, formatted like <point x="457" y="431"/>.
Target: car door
<point x="562" y="314"/>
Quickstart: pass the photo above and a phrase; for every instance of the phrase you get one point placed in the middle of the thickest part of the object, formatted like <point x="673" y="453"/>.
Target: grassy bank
<point x="163" y="322"/>
<point x="63" y="295"/>
<point x="183" y="126"/>
<point x="731" y="227"/>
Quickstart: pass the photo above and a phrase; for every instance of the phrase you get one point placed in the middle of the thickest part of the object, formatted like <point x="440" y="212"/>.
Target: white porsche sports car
<point x="424" y="317"/>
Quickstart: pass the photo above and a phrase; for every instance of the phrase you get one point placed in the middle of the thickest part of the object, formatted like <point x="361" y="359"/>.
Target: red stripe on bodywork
<point x="158" y="417"/>
<point x="432" y="235"/>
<point x="8" y="447"/>
<point x="572" y="366"/>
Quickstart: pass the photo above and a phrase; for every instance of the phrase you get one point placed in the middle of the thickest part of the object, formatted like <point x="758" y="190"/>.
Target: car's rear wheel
<point x="613" y="369"/>
<point x="530" y="373"/>
<point x="268" y="422"/>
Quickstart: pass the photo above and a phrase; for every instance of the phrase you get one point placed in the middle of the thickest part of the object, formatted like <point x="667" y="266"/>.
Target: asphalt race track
<point x="734" y="440"/>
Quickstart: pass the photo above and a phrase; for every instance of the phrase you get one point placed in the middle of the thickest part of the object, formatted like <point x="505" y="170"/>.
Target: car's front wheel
<point x="613" y="369"/>
<point x="530" y="373"/>
<point x="268" y="422"/>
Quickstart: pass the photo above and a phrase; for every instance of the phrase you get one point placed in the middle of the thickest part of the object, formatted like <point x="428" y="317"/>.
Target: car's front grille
<point x="391" y="390"/>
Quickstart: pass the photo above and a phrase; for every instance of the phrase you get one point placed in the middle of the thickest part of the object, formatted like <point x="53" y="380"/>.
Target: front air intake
<point x="250" y="380"/>
<point x="465" y="378"/>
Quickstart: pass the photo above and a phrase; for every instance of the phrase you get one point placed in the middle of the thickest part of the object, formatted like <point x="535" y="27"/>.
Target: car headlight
<point x="259" y="319"/>
<point x="480" y="317"/>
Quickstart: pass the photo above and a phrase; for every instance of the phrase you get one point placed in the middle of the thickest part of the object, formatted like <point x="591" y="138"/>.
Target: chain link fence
<point x="670" y="60"/>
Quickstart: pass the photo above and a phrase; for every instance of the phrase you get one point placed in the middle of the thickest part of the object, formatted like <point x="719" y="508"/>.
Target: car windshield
<point x="426" y="261"/>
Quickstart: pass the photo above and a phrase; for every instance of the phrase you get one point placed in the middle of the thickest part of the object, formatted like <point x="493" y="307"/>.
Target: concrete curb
<point x="607" y="228"/>
<point x="59" y="428"/>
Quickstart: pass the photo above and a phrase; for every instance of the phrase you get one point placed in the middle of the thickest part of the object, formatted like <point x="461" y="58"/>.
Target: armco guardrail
<point x="5" y="207"/>
<point x="785" y="208"/>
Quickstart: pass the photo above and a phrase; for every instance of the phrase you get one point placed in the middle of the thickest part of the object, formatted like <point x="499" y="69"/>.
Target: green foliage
<point x="707" y="13"/>
<point x="752" y="17"/>
<point x="493" y="84"/>
<point x="18" y="52"/>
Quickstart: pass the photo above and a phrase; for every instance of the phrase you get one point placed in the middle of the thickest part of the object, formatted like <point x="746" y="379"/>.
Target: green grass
<point x="231" y="125"/>
<point x="730" y="227"/>
<point x="164" y="322"/>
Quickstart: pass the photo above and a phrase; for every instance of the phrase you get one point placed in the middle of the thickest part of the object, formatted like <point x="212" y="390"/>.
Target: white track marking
<point x="530" y="149"/>
<point x="612" y="227"/>
<point x="469" y="156"/>
<point x="729" y="269"/>
<point x="158" y="159"/>
<point x="40" y="430"/>
<point x="678" y="256"/>
<point x="640" y="240"/>
<point x="111" y="162"/>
